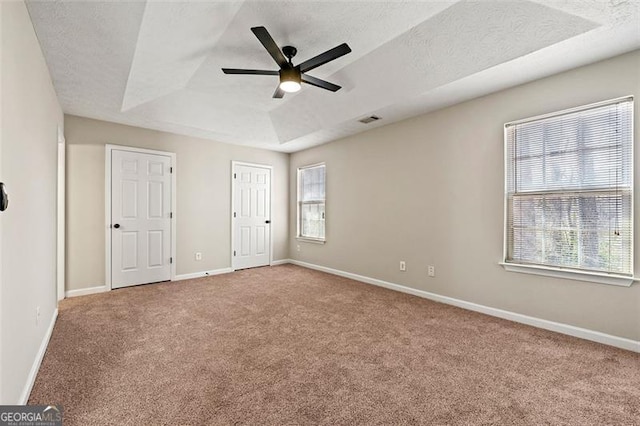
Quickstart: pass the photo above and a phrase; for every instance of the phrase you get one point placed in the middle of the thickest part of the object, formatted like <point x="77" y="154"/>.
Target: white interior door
<point x="140" y="218"/>
<point x="251" y="216"/>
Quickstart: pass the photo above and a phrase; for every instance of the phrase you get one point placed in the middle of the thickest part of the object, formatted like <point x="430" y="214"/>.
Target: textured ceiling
<point x="157" y="64"/>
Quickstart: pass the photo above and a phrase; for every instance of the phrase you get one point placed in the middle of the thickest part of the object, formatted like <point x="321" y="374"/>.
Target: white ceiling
<point x="157" y="64"/>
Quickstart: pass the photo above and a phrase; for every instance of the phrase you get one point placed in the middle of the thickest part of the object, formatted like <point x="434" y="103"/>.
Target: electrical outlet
<point x="37" y="315"/>
<point x="431" y="270"/>
<point x="198" y="256"/>
<point x="403" y="265"/>
<point x="298" y="247"/>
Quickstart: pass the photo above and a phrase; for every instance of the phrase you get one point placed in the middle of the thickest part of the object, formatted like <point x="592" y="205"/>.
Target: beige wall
<point x="429" y="191"/>
<point x="203" y="174"/>
<point x="28" y="164"/>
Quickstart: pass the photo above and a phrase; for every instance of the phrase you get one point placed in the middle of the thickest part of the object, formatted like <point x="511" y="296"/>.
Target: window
<point x="311" y="202"/>
<point x="569" y="190"/>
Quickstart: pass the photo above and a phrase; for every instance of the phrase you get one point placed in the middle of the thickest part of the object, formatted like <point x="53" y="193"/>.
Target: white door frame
<point x="233" y="200"/>
<point x="107" y="205"/>
<point x="61" y="218"/>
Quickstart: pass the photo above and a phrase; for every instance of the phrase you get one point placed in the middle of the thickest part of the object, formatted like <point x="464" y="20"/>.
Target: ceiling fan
<point x="291" y="76"/>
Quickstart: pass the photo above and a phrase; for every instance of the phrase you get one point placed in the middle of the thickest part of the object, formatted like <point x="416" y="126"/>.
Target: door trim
<point x="233" y="199"/>
<point x="61" y="215"/>
<point x="107" y="205"/>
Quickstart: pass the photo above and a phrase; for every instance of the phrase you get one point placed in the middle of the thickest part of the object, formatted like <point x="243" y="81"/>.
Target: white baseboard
<point x="33" y="373"/>
<point x="583" y="333"/>
<point x="100" y="289"/>
<point x="202" y="274"/>
<point x="220" y="271"/>
<point x="85" y="291"/>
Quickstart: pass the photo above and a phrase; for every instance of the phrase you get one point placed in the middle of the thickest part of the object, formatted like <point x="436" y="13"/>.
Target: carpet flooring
<point x="287" y="345"/>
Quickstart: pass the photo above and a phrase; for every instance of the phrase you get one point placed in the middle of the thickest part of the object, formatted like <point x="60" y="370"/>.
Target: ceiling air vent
<point x="369" y="119"/>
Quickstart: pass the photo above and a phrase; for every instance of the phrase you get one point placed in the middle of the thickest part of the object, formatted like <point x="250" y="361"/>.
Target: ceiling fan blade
<point x="252" y="72"/>
<point x="320" y="83"/>
<point x="279" y="93"/>
<point x="271" y="46"/>
<point x="325" y="57"/>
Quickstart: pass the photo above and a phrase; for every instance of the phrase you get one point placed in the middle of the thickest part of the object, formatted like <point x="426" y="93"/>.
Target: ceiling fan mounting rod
<point x="289" y="52"/>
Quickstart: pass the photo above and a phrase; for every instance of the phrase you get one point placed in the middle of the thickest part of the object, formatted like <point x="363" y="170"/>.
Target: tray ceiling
<point x="157" y="64"/>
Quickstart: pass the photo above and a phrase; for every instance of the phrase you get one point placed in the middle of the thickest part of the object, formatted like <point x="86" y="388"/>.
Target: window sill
<point x="594" y="277"/>
<point x="310" y="240"/>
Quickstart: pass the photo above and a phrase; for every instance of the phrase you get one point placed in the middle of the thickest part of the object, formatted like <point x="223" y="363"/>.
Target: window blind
<point x="311" y="200"/>
<point x="569" y="189"/>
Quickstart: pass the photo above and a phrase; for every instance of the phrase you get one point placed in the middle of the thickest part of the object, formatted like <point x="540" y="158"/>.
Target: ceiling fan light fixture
<point x="290" y="86"/>
<point x="290" y="80"/>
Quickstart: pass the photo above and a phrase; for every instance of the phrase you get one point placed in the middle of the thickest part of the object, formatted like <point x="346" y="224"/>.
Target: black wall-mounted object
<point x="4" y="198"/>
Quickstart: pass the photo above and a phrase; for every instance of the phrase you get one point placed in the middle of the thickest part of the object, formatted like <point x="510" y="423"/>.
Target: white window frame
<point x="559" y="272"/>
<point x="300" y="237"/>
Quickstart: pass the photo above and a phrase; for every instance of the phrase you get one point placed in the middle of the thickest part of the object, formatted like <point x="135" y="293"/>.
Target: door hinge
<point x="170" y="169"/>
<point x="234" y="252"/>
<point x="234" y="214"/>
<point x="234" y="175"/>
<point x="171" y="215"/>
<point x="171" y="260"/>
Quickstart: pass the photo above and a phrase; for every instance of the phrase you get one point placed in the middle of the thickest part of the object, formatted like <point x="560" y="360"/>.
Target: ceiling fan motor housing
<point x="290" y="74"/>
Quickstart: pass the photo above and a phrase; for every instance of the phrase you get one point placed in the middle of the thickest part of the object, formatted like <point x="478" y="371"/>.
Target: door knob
<point x="117" y="225"/>
<point x="267" y="221"/>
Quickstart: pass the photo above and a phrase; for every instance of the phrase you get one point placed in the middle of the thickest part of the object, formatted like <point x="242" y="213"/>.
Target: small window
<point x="311" y="202"/>
<point x="569" y="190"/>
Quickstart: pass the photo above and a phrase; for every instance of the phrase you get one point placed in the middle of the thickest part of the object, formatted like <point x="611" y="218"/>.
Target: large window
<point x="569" y="190"/>
<point x="311" y="202"/>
